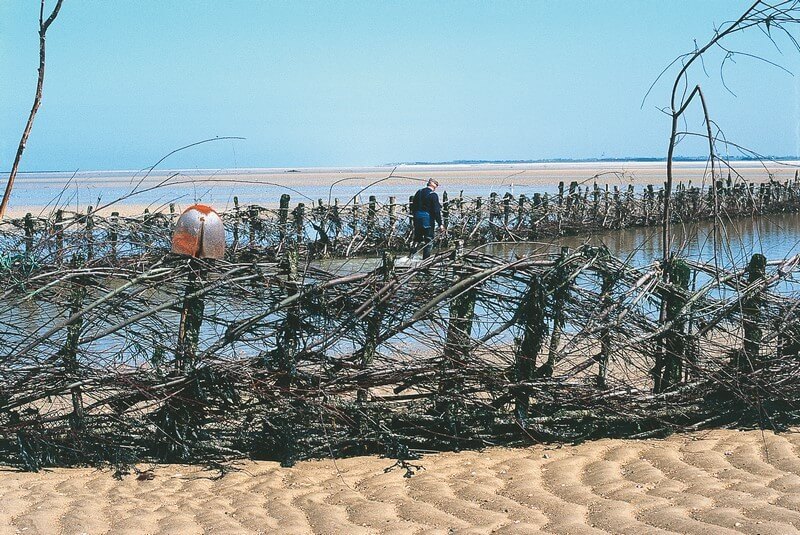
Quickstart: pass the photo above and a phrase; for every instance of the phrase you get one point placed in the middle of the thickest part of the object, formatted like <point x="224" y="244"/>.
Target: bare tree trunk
<point x="43" y="26"/>
<point x="758" y="13"/>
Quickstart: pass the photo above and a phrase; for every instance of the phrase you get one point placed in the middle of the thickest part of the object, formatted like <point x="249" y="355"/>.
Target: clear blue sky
<point x="362" y="83"/>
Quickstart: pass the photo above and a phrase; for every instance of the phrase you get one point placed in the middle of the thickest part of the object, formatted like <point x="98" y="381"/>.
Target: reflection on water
<point x="775" y="236"/>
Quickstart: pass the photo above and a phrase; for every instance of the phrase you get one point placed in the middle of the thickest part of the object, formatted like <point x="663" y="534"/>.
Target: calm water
<point x="775" y="236"/>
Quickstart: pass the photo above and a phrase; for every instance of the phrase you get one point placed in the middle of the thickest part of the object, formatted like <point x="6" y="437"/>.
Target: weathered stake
<point x="69" y="353"/>
<point x="668" y="369"/>
<point x="374" y="322"/>
<point x="191" y="316"/>
<point x="558" y="283"/>
<point x="28" y="227"/>
<point x="751" y="316"/>
<point x="534" y="330"/>
<point x="114" y="233"/>
<point x="456" y="352"/>
<point x="606" y="287"/>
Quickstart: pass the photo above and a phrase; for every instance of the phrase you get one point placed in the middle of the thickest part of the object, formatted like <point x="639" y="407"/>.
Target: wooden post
<point x="283" y="360"/>
<point x="89" y="233"/>
<point x="28" y="227"/>
<point x="571" y="196"/>
<point x="629" y="202"/>
<point x="595" y="203"/>
<point x="191" y="317"/>
<point x="606" y="286"/>
<point x="492" y="206"/>
<point x="372" y="212"/>
<point x="289" y="334"/>
<point x="374" y="322"/>
<point x="114" y="234"/>
<point x="235" y="244"/>
<point x="456" y="353"/>
<point x="355" y="215"/>
<point x="299" y="221"/>
<point x="283" y="215"/>
<point x="69" y="352"/>
<point x="538" y="210"/>
<point x="337" y="220"/>
<point x="507" y="209"/>
<point x="252" y="215"/>
<point x="668" y="369"/>
<point x="751" y="316"/>
<point x="59" y="232"/>
<point x="392" y="213"/>
<point x="558" y="283"/>
<point x="532" y="318"/>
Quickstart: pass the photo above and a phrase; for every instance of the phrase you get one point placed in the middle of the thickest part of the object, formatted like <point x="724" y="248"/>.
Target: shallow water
<point x="775" y="236"/>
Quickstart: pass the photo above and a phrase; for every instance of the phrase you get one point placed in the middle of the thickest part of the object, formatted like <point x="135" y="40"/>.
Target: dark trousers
<point x="423" y="234"/>
<point x="424" y="238"/>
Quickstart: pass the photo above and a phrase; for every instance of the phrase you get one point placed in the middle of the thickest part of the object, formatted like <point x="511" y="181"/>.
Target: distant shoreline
<point x="608" y="160"/>
<point x="76" y="190"/>
<point x="644" y="159"/>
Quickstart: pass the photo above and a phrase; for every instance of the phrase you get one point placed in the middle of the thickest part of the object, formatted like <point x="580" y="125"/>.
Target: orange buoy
<point x="200" y="233"/>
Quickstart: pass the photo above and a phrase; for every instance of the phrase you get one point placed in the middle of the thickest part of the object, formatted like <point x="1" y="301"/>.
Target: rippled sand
<point x="717" y="482"/>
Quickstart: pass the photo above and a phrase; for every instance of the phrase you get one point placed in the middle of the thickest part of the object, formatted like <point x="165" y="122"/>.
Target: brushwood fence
<point x="116" y="358"/>
<point x="354" y="228"/>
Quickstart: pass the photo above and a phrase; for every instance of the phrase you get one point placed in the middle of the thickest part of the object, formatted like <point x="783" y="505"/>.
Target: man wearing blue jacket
<point x="427" y="212"/>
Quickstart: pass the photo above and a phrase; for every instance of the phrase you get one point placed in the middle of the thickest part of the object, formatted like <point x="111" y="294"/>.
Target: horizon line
<point x="647" y="159"/>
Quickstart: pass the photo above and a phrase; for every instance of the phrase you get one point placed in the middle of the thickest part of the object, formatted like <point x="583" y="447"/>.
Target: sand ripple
<point x="716" y="483"/>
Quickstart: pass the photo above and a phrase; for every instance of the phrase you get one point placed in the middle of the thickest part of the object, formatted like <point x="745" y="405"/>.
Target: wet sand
<point x="76" y="191"/>
<point x="717" y="482"/>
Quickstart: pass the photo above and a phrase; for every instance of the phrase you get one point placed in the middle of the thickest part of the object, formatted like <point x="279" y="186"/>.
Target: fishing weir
<point x="115" y="350"/>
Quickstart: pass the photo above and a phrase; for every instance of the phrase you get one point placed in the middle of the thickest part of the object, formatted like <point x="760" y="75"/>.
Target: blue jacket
<point x="426" y="208"/>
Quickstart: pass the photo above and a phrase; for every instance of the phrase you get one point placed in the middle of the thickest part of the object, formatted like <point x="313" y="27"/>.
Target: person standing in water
<point x="427" y="213"/>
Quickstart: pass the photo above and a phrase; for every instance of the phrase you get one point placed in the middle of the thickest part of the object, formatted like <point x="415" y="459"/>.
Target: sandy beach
<point x="38" y="192"/>
<point x="715" y="482"/>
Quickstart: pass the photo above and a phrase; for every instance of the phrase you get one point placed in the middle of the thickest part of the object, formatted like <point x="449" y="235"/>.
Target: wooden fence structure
<point x="353" y="228"/>
<point x="116" y="358"/>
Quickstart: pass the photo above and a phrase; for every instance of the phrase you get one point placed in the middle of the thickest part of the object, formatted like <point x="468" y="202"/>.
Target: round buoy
<point x="200" y="233"/>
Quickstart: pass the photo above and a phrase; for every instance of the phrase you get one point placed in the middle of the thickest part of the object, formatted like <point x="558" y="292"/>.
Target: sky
<point x="347" y="83"/>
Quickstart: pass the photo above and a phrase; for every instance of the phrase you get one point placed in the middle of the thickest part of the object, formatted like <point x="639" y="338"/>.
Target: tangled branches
<point x="286" y="360"/>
